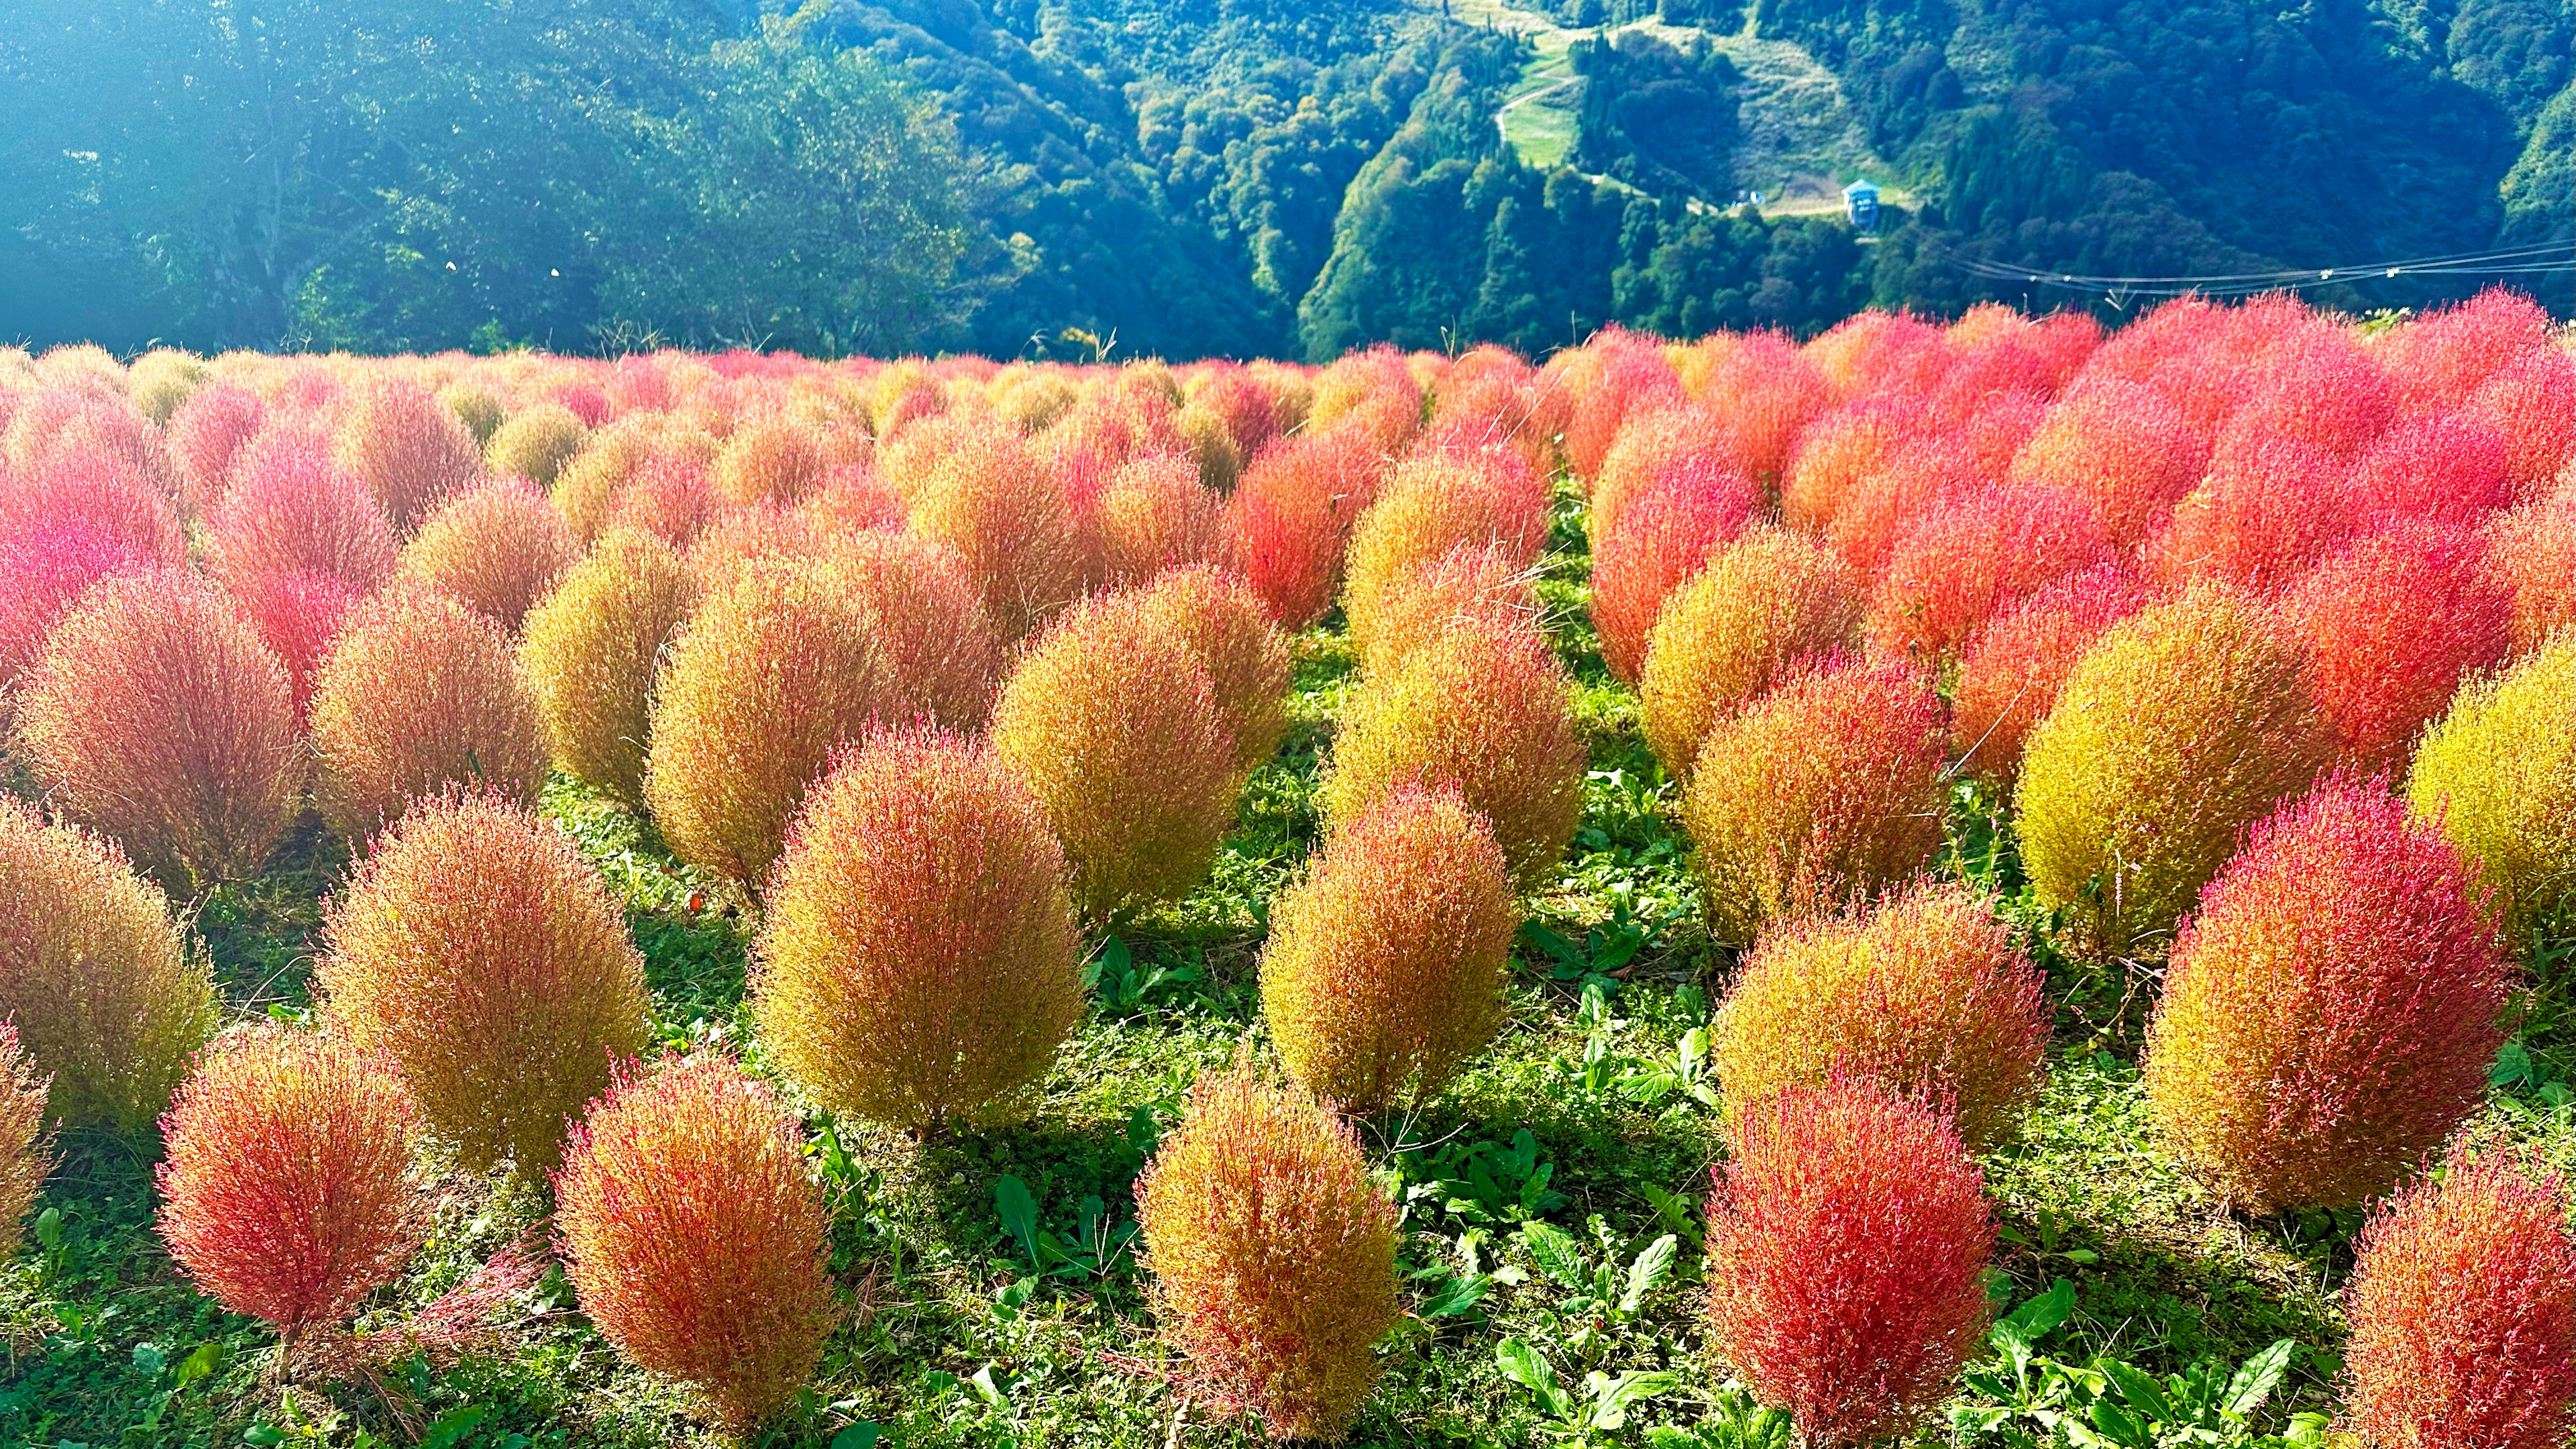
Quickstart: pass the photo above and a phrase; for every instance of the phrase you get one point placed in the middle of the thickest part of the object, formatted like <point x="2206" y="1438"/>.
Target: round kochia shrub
<point x="1481" y="710"/>
<point x="2391" y="625"/>
<point x="288" y="1193"/>
<point x="1156" y="514"/>
<point x="1666" y="534"/>
<point x="1272" y="1255"/>
<point x="1384" y="970"/>
<point x="1220" y="621"/>
<point x="1291" y="517"/>
<point x="26" y="1147"/>
<point x="695" y="1237"/>
<point x="477" y="948"/>
<point x="773" y="671"/>
<point x="1926" y="995"/>
<point x="291" y="508"/>
<point x="1010" y="525"/>
<point x="941" y="660"/>
<point x="406" y="447"/>
<point x="2463" y="1311"/>
<point x="101" y="986"/>
<point x="1486" y="581"/>
<point x="536" y="442"/>
<point x="776" y="461"/>
<point x="2332" y="1010"/>
<point x="2121" y="444"/>
<point x="2182" y="725"/>
<point x="1772" y="599"/>
<point x="1116" y="728"/>
<point x="158" y="716"/>
<point x="497" y="547"/>
<point x="1825" y="790"/>
<point x="1847" y="1247"/>
<point x="44" y="570"/>
<point x="419" y="693"/>
<point x="1427" y="507"/>
<point x="1970" y="555"/>
<point x="2498" y="774"/>
<point x="918" y="962"/>
<point x="589" y="651"/>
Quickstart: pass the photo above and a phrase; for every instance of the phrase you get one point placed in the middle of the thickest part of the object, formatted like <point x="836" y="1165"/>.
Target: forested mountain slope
<point x="1188" y="177"/>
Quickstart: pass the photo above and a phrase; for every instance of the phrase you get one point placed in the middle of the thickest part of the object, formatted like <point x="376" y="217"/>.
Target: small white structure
<point x="1860" y="202"/>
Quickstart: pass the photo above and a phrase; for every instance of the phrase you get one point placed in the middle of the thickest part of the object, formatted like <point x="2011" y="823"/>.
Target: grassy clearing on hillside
<point x="1541" y="1192"/>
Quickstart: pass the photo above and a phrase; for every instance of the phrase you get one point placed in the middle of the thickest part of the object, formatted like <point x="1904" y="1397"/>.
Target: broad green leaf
<point x="2036" y="1318"/>
<point x="2139" y="1390"/>
<point x="1611" y="1397"/>
<point x="1527" y="1367"/>
<point x="1652" y="1267"/>
<point x="451" y="1428"/>
<point x="861" y="1435"/>
<point x="1019" y="1214"/>
<point x="2117" y="1425"/>
<point x="1556" y="1252"/>
<point x="208" y="1358"/>
<point x="2261" y="1375"/>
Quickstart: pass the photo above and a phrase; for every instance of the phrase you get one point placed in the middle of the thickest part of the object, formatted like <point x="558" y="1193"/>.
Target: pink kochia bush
<point x="2463" y="1312"/>
<point x="289" y="1192"/>
<point x="1666" y="534"/>
<point x="2332" y="1010"/>
<point x="290" y="508"/>
<point x="1847" y="1247"/>
<point x="159" y="717"/>
<point x="43" y="572"/>
<point x="696" y="1237"/>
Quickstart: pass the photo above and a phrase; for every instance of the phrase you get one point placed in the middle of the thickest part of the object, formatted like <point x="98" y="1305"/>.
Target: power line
<point x="2550" y="258"/>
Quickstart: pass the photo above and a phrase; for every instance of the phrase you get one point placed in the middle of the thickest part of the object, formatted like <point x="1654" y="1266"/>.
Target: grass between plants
<point x="1551" y="1196"/>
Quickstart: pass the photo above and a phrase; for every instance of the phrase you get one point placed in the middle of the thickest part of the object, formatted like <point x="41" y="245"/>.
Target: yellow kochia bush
<point x="589" y="652"/>
<point x="1384" y="970"/>
<point x="1116" y="728"/>
<point x="919" y="959"/>
<point x="106" y="997"/>
<point x="774" y="671"/>
<point x="1769" y="599"/>
<point x="2498" y="774"/>
<point x="2182" y="725"/>
<point x="1925" y="994"/>
<point x="478" y="949"/>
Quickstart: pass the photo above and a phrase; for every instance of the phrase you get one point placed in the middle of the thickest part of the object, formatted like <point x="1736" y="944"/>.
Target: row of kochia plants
<point x="2259" y="617"/>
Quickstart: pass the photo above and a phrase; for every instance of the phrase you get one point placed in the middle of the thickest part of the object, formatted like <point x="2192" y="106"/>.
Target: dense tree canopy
<point x="1188" y="177"/>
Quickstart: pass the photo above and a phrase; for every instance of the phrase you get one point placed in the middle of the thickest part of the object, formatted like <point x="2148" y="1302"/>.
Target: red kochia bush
<point x="932" y="639"/>
<point x="2463" y="1312"/>
<point x="1770" y="393"/>
<point x="420" y="692"/>
<point x="407" y="447"/>
<point x="2321" y="390"/>
<point x="1677" y="446"/>
<point x="2269" y="508"/>
<point x="2532" y="404"/>
<point x="298" y="616"/>
<point x="1847" y="1248"/>
<point x="2013" y="668"/>
<point x="917" y="963"/>
<point x="291" y="508"/>
<point x="1291" y="517"/>
<point x="44" y="569"/>
<point x="107" y="492"/>
<point x="1825" y="790"/>
<point x="159" y="717"/>
<point x="2451" y="467"/>
<point x="695" y="1236"/>
<point x="288" y="1192"/>
<point x="2120" y="444"/>
<point x="1666" y="533"/>
<point x="2441" y="359"/>
<point x="1272" y="1255"/>
<point x="477" y="948"/>
<point x="2533" y="549"/>
<point x="1974" y="553"/>
<point x="496" y="547"/>
<point x="2331" y="1013"/>
<point x="204" y="434"/>
<point x="2392" y="624"/>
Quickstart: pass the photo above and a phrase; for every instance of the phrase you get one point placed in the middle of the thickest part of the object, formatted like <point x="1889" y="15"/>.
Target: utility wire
<point x="2550" y="258"/>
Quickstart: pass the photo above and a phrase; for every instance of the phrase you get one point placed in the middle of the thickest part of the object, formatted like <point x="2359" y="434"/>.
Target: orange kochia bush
<point x="420" y="692"/>
<point x="696" y="1237"/>
<point x="289" y="1192"/>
